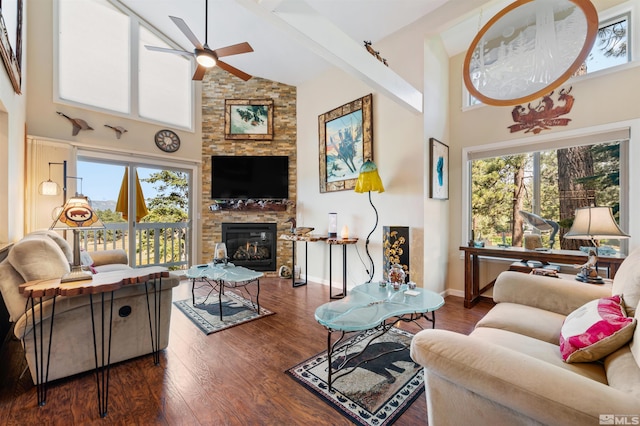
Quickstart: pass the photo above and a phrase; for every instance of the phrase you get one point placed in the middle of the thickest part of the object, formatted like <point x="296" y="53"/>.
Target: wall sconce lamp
<point x="369" y="180"/>
<point x="49" y="187"/>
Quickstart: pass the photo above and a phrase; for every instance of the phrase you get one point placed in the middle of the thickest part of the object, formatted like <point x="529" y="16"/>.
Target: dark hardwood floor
<point x="233" y="377"/>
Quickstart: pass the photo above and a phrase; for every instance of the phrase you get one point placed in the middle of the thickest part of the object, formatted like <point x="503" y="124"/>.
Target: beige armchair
<point x="45" y="255"/>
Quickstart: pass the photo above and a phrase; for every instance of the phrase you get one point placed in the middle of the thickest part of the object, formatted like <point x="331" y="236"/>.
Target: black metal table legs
<point x="102" y="369"/>
<point x="344" y="367"/>
<point x="344" y="274"/>
<point x="295" y="283"/>
<point x="42" y="372"/>
<point x="219" y="285"/>
<point x="157" y="298"/>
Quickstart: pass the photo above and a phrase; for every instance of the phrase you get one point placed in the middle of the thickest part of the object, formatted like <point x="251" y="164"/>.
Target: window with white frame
<point x="611" y="48"/>
<point x="550" y="181"/>
<point x="102" y="63"/>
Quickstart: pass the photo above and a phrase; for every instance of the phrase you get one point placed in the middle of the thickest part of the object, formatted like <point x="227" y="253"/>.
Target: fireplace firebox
<point x="252" y="245"/>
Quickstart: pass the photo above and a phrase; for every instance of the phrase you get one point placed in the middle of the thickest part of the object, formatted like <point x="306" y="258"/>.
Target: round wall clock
<point x="167" y="140"/>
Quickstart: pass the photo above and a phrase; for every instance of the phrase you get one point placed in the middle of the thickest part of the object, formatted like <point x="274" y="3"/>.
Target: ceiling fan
<point x="205" y="57"/>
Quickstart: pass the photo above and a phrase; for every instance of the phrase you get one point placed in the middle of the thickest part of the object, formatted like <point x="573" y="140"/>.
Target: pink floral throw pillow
<point x="595" y="330"/>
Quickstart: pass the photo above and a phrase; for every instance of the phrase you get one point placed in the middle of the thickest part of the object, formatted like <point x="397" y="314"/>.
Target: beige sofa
<point x="46" y="255"/>
<point x="509" y="370"/>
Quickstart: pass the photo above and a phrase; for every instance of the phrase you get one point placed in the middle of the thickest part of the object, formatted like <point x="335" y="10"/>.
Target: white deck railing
<point x="157" y="244"/>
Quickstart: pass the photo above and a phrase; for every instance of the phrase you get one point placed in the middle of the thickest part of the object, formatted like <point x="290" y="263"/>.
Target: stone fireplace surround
<point x="217" y="86"/>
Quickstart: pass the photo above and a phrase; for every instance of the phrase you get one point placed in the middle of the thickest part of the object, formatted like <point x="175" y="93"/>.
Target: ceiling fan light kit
<point x="206" y="59"/>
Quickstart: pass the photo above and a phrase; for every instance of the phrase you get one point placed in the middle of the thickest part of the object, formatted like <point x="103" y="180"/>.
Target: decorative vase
<point x="396" y="274"/>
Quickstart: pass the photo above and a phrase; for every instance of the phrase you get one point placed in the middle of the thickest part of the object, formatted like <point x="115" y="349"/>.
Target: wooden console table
<point x="310" y="238"/>
<point x="305" y="238"/>
<point x="472" y="255"/>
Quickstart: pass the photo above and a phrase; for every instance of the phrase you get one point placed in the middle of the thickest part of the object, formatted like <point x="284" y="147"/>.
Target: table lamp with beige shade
<point x="593" y="224"/>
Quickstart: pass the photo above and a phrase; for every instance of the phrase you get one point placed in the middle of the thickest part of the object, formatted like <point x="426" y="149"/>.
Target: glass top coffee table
<point x="372" y="307"/>
<point x="219" y="276"/>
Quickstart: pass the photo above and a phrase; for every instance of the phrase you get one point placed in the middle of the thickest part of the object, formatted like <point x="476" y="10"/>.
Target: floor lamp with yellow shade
<point x="369" y="180"/>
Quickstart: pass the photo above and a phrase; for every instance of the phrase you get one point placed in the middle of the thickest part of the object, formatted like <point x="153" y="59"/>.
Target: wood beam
<point x="328" y="41"/>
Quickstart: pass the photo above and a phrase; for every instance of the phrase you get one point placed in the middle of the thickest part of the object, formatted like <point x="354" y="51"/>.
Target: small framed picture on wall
<point x="249" y="119"/>
<point x="438" y="170"/>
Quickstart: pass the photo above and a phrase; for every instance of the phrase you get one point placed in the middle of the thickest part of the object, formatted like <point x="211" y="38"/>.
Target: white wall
<point x="45" y="125"/>
<point x="41" y="107"/>
<point x="401" y="152"/>
<point x="436" y="212"/>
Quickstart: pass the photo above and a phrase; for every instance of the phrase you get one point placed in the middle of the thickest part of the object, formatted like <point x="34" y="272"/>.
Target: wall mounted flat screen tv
<point x="249" y="177"/>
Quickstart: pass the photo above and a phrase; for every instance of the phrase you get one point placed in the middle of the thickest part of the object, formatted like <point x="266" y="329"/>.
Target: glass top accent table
<point x="371" y="306"/>
<point x="219" y="276"/>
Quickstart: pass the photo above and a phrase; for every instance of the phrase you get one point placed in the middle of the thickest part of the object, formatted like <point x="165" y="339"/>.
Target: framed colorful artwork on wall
<point x="346" y="142"/>
<point x="438" y="170"/>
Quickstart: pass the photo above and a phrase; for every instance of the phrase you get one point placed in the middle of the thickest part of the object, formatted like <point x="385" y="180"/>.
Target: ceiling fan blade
<point x="198" y="75"/>
<point x="233" y="50"/>
<point x="233" y="70"/>
<point x="164" y="49"/>
<point x="187" y="31"/>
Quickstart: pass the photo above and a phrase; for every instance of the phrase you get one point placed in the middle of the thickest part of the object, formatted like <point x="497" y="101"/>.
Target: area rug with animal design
<point x="374" y="392"/>
<point x="205" y="314"/>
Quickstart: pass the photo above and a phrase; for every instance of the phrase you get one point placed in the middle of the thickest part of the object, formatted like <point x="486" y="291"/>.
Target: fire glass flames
<point x="252" y="245"/>
<point x="252" y="251"/>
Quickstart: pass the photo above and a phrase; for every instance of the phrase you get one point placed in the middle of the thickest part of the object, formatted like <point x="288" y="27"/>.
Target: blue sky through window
<point x="101" y="182"/>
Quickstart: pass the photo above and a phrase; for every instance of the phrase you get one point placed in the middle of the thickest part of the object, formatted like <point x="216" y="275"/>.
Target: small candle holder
<point x="220" y="254"/>
<point x="411" y="285"/>
<point x="382" y="284"/>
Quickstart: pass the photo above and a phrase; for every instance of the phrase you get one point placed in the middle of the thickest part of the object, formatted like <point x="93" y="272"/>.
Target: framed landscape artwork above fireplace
<point x="250" y="119"/>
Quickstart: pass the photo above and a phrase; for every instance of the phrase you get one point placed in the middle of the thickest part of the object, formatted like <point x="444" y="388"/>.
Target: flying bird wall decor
<point x="375" y="53"/>
<point x="118" y="129"/>
<point x="78" y="123"/>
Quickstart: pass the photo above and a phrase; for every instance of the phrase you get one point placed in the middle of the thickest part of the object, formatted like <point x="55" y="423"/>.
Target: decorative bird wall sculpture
<point x="298" y="230"/>
<point x="78" y="124"/>
<point x="118" y="129"/>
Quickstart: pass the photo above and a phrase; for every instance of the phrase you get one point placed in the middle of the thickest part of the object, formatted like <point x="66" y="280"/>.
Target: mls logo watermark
<point x="619" y="419"/>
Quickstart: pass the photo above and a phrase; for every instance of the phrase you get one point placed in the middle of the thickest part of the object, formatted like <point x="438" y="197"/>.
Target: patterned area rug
<point x="236" y="310"/>
<point x="376" y="392"/>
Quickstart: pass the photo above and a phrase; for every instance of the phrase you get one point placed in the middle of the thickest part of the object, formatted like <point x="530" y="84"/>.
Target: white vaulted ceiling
<point x="295" y="40"/>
